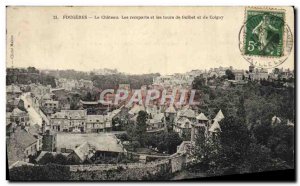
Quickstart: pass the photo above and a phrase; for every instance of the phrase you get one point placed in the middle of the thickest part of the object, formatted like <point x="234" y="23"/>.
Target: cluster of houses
<point x="79" y="121"/>
<point x="70" y="84"/>
<point x="74" y="132"/>
<point x="185" y="120"/>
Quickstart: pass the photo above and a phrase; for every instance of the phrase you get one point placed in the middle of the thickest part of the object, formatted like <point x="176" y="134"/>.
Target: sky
<point x="131" y="46"/>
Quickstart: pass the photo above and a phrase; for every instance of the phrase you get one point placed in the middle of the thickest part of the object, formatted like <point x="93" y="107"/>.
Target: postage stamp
<point x="265" y="40"/>
<point x="264" y="33"/>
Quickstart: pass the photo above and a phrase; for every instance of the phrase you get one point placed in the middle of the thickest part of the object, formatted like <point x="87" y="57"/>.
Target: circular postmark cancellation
<point x="265" y="40"/>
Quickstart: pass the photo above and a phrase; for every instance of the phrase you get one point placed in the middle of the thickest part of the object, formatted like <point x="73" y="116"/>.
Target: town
<point x="68" y="119"/>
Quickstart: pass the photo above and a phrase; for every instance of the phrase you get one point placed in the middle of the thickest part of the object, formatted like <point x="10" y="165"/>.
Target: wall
<point x="158" y="170"/>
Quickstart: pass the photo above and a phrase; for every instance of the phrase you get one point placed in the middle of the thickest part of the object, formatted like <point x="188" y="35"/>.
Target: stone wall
<point x="158" y="170"/>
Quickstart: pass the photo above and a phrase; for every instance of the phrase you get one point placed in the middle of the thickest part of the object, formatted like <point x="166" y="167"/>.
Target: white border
<point x="4" y="3"/>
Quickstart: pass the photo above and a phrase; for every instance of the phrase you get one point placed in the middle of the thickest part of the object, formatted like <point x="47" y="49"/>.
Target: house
<point x="207" y="128"/>
<point x="102" y="146"/>
<point x="68" y="121"/>
<point x="35" y="130"/>
<point x="200" y="126"/>
<point x="183" y="126"/>
<point x="19" y="117"/>
<point x="98" y="123"/>
<point x="188" y="113"/>
<point x="13" y="103"/>
<point x="257" y="74"/>
<point x="13" y="91"/>
<point x="50" y="106"/>
<point x="170" y="114"/>
<point x="21" y="145"/>
<point x="39" y="90"/>
<point x="88" y="84"/>
<point x="157" y="122"/>
<point x="184" y="120"/>
<point x="238" y="75"/>
<point x="63" y="97"/>
<point x="93" y="107"/>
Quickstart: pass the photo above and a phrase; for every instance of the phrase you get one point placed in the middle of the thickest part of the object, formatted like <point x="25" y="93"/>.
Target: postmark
<point x="265" y="40"/>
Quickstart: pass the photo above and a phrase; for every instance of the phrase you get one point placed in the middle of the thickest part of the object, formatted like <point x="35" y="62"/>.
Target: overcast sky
<point x="131" y="46"/>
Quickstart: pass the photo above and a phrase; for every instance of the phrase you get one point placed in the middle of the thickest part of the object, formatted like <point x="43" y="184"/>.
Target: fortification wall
<point x="131" y="171"/>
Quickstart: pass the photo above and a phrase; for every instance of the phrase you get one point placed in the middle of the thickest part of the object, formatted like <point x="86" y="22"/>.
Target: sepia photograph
<point x="150" y="93"/>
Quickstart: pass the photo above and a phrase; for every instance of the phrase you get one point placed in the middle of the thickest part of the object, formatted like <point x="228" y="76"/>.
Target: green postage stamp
<point x="265" y="40"/>
<point x="264" y="33"/>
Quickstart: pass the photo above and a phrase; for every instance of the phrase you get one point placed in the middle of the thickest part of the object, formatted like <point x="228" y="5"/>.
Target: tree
<point x="40" y="173"/>
<point x="198" y="83"/>
<point x="262" y="133"/>
<point x="60" y="159"/>
<point x="141" y="126"/>
<point x="47" y="158"/>
<point x="241" y="112"/>
<point x="230" y="75"/>
<point x="281" y="143"/>
<point x="234" y="140"/>
<point x="206" y="151"/>
<point x="259" y="158"/>
<point x="88" y="97"/>
<point x="172" y="140"/>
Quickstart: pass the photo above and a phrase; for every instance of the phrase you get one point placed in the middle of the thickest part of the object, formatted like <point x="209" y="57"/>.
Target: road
<point x="34" y="116"/>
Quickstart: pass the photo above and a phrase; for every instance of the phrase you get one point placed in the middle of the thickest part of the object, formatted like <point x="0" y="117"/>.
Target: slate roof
<point x="202" y="117"/>
<point x="101" y="142"/>
<point x="95" y="118"/>
<point x="17" y="112"/>
<point x="276" y="119"/>
<point x="289" y="123"/>
<point x="89" y="102"/>
<point x="20" y="163"/>
<point x="24" y="138"/>
<point x="136" y="109"/>
<point x="219" y="116"/>
<point x="157" y="118"/>
<point x="70" y="114"/>
<point x="215" y="127"/>
<point x="184" y="123"/>
<point x="17" y="143"/>
<point x="170" y="109"/>
<point x="187" y="112"/>
<point x="13" y="89"/>
<point x="82" y="151"/>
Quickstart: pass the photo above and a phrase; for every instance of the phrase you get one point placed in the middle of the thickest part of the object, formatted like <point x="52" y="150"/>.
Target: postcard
<point x="150" y="93"/>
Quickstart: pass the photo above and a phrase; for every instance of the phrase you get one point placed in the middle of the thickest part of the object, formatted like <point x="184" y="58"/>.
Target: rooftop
<point x="101" y="142"/>
<point x="202" y="117"/>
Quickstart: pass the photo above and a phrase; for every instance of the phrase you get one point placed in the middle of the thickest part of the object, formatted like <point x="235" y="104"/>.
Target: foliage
<point x="60" y="159"/>
<point x="27" y="76"/>
<point x="48" y="172"/>
<point x="230" y="75"/>
<point x="164" y="142"/>
<point x="113" y="80"/>
<point x="141" y="126"/>
<point x="248" y="142"/>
